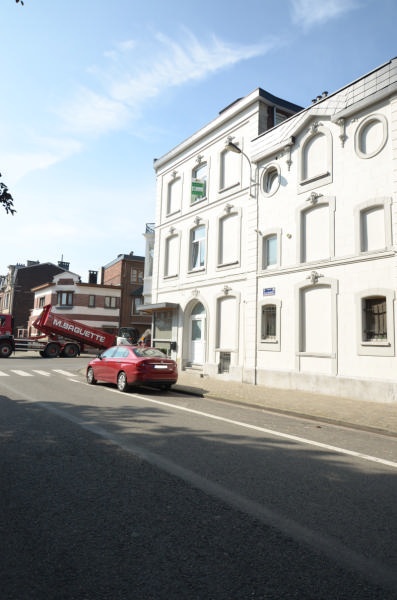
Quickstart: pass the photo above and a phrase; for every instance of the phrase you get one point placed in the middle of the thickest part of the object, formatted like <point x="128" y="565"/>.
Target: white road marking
<point x="2" y="374"/>
<point x="45" y="373"/>
<point x="273" y="432"/>
<point x="21" y="373"/>
<point x="371" y="569"/>
<point x="61" y="372"/>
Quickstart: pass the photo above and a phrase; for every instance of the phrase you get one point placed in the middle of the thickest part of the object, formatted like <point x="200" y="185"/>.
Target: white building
<point x="275" y="245"/>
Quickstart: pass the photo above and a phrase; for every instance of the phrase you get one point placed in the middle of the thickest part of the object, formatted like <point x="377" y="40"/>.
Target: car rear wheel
<point x="90" y="376"/>
<point x="122" y="383"/>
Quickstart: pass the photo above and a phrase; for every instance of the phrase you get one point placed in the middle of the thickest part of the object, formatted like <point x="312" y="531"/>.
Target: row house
<point x="275" y="242"/>
<point x="89" y="303"/>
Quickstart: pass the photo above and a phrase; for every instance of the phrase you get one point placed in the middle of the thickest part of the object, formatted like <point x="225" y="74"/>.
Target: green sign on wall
<point x="198" y="188"/>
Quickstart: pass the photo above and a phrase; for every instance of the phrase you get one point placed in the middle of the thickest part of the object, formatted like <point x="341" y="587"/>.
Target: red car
<point x="133" y="365"/>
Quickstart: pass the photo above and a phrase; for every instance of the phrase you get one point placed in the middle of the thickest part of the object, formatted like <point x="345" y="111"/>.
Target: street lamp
<point x="232" y="147"/>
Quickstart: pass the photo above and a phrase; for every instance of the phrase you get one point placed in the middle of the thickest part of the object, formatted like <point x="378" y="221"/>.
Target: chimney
<point x="93" y="277"/>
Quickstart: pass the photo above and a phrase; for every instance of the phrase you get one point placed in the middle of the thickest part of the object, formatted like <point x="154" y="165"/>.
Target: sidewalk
<point x="373" y="416"/>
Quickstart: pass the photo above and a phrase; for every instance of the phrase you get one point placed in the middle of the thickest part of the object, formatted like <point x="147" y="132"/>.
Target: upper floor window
<point x="197" y="247"/>
<point x="134" y="275"/>
<point x="199" y="183"/>
<point x="316" y="158"/>
<point x="271" y="180"/>
<point x="230" y="169"/>
<point x="41" y="301"/>
<point x="317" y="229"/>
<point x="91" y="300"/>
<point x="174" y="195"/>
<point x="171" y="256"/>
<point x="65" y="298"/>
<point x="373" y="225"/>
<point x="136" y="302"/>
<point x="373" y="229"/>
<point x="371" y="136"/>
<point x="111" y="301"/>
<point x="270" y="251"/>
<point x="229" y="239"/>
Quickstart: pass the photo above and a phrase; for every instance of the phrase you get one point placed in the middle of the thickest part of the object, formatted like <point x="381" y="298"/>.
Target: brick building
<point x="16" y="297"/>
<point x="127" y="271"/>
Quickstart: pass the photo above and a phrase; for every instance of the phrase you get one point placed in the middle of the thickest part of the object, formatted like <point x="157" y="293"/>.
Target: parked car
<point x="133" y="365"/>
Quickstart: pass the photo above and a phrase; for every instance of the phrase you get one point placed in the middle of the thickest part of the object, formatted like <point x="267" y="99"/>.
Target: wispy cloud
<point x="135" y="72"/>
<point x="45" y="152"/>
<point x="307" y="13"/>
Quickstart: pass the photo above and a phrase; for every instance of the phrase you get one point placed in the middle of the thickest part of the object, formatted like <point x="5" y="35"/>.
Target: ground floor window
<point x="375" y="318"/>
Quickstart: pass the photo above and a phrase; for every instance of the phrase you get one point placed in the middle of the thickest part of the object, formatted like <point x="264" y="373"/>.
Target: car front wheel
<point x="90" y="376"/>
<point x="122" y="383"/>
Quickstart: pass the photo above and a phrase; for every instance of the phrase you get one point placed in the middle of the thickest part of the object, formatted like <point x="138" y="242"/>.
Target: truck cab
<point x="7" y="344"/>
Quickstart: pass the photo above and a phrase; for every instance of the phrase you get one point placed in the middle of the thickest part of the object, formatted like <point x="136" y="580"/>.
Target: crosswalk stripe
<point x="21" y="373"/>
<point x="45" y="373"/>
<point x="68" y="373"/>
<point x="3" y="374"/>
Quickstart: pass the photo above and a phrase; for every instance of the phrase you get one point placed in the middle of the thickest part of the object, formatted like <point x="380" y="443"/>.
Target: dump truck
<point x="58" y="336"/>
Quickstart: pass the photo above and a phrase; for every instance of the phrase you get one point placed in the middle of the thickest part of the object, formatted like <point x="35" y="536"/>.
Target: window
<point x="316" y="158"/>
<point x="137" y="301"/>
<point x="230" y="169"/>
<point x="373" y="225"/>
<point x="171" y="258"/>
<point x="229" y="239"/>
<point x="174" y="196"/>
<point x="197" y="247"/>
<point x="91" y="300"/>
<point x="371" y="136"/>
<point x="140" y="276"/>
<point x="373" y="229"/>
<point x="199" y="183"/>
<point x="162" y="325"/>
<point x="65" y="298"/>
<point x="134" y="275"/>
<point x="317" y="229"/>
<point x="41" y="301"/>
<point x="269" y="322"/>
<point x="269" y="251"/>
<point x="376" y="322"/>
<point x="374" y="319"/>
<point x="111" y="301"/>
<point x="270" y="180"/>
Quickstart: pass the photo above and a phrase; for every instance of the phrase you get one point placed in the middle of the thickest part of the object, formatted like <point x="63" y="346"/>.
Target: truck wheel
<point x="122" y="383"/>
<point x="70" y="351"/>
<point x="51" y="350"/>
<point x="90" y="376"/>
<point x="5" y="350"/>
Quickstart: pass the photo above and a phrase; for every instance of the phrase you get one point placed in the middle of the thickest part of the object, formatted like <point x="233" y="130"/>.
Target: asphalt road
<point x="149" y="496"/>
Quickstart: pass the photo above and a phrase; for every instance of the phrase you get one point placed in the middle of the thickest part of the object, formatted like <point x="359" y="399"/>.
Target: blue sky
<point x="93" y="91"/>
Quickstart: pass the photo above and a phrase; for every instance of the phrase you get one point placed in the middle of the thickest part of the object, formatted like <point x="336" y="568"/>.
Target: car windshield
<point x="149" y="352"/>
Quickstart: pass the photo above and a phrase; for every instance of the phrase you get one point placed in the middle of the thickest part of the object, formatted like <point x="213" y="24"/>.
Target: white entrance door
<point x="197" y="344"/>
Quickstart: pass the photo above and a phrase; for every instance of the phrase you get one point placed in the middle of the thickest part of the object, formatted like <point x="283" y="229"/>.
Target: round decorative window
<point x="371" y="136"/>
<point x="271" y="180"/>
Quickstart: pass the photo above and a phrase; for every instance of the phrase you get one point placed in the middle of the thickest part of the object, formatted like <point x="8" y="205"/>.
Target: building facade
<point x="275" y="242"/>
<point x="127" y="272"/>
<point x="16" y="297"/>
<point x="89" y="303"/>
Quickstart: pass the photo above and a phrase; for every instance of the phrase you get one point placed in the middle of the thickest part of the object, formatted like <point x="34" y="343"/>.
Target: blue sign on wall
<point x="269" y="291"/>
